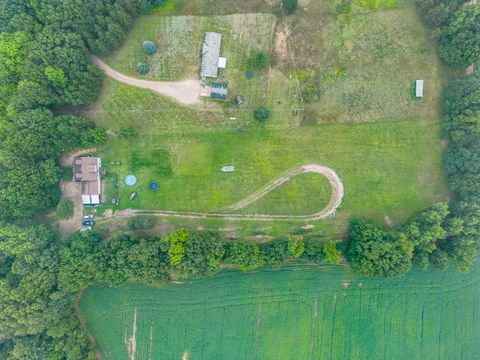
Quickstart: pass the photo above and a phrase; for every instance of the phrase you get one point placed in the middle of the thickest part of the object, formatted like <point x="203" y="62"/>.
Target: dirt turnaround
<point x="186" y="92"/>
<point x="228" y="213"/>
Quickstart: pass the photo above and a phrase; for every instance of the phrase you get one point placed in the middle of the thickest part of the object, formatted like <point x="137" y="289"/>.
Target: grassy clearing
<point x="366" y="124"/>
<point x="314" y="313"/>
<point x="209" y="7"/>
<point x="294" y="197"/>
<point x="365" y="62"/>
<point x="379" y="4"/>
<point x="184" y="150"/>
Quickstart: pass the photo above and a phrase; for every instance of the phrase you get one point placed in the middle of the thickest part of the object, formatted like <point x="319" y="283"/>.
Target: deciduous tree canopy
<point x="460" y="39"/>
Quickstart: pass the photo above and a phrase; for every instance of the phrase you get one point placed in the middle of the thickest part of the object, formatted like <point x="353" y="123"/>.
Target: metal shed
<point x="219" y="91"/>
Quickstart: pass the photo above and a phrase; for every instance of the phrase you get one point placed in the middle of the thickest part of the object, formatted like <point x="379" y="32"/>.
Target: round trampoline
<point x="153" y="186"/>
<point x="249" y="74"/>
<point x="130" y="180"/>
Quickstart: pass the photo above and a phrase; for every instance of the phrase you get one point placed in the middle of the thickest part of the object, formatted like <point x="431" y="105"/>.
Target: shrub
<point x="261" y="114"/>
<point x="332" y="255"/>
<point x="275" y="254"/>
<point x="149" y="47"/>
<point x="126" y="131"/>
<point x="344" y="7"/>
<point x="99" y="135"/>
<point x="141" y="223"/>
<point x="260" y="60"/>
<point x="295" y="245"/>
<point x="243" y="254"/>
<point x="313" y="251"/>
<point x="65" y="209"/>
<point x="290" y="6"/>
<point x="143" y="68"/>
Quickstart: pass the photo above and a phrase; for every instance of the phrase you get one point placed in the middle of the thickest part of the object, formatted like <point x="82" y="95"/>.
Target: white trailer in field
<point x="419" y="89"/>
<point x="228" y="168"/>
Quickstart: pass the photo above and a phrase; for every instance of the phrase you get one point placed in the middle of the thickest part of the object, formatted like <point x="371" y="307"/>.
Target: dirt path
<point x="185" y="92"/>
<point x="329" y="210"/>
<point x="66" y="160"/>
<point x="71" y="190"/>
<point x="132" y="342"/>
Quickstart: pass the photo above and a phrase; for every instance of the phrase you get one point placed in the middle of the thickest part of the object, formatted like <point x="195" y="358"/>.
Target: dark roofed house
<point x="219" y="91"/>
<point x="210" y="54"/>
<point x="87" y="172"/>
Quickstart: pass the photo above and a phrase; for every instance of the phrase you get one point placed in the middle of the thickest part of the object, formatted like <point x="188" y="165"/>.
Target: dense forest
<point x="45" y="67"/>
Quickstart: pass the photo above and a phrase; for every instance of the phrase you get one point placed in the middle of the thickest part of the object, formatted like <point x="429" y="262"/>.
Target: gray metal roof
<point x="219" y="91"/>
<point x="210" y="54"/>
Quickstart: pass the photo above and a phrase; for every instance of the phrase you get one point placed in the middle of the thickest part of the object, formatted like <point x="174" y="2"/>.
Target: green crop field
<point x="299" y="312"/>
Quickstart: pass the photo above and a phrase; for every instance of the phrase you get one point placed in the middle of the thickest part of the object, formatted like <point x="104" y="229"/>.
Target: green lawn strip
<point x="293" y="197"/>
<point x="291" y="314"/>
<point x="388" y="169"/>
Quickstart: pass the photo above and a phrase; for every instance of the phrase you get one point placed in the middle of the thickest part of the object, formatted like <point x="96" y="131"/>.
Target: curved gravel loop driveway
<point x="228" y="213"/>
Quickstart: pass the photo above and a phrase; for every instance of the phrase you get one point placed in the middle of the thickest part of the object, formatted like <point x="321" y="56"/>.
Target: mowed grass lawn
<point x="310" y="313"/>
<point x="389" y="169"/>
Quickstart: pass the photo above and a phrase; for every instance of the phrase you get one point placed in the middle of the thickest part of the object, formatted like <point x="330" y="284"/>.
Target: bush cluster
<point x="459" y="27"/>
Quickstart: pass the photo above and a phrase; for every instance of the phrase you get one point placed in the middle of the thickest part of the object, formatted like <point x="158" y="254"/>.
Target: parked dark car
<point x="88" y="222"/>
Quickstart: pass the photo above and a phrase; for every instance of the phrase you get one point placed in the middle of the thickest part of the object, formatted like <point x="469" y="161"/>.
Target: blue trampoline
<point x="249" y="74"/>
<point x="130" y="180"/>
<point x="153" y="186"/>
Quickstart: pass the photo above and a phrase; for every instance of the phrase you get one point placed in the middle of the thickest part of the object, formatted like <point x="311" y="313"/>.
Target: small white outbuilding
<point x="222" y="63"/>
<point x="419" y="88"/>
<point x="228" y="168"/>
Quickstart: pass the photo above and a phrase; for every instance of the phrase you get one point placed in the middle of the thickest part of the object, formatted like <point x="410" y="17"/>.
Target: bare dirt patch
<point x="66" y="160"/>
<point x="71" y="190"/>
<point x="281" y="49"/>
<point x="132" y="341"/>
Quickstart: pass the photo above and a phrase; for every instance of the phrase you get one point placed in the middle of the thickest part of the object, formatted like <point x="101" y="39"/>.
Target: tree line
<point x="40" y="278"/>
